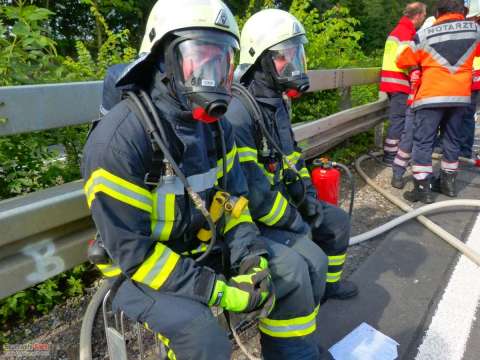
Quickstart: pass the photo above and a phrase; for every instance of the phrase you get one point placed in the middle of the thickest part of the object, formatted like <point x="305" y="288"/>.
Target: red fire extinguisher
<point x="326" y="180"/>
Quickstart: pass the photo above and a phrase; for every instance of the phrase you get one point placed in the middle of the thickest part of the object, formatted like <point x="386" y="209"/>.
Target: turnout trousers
<point x="332" y="236"/>
<point x="190" y="331"/>
<point x="404" y="153"/>
<point x="468" y="128"/>
<point x="426" y="125"/>
<point x="398" y="107"/>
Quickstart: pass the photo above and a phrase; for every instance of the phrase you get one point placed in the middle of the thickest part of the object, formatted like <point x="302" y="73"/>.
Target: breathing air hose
<point x="153" y="129"/>
<point x="418" y="213"/>
<point x="258" y="118"/>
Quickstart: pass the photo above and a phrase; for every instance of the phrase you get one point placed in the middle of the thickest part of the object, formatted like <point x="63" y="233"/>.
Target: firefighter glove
<point x="312" y="210"/>
<point x="246" y="292"/>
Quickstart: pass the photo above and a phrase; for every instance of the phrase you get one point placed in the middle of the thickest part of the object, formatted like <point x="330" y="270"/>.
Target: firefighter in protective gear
<point x="395" y="81"/>
<point x="146" y="220"/>
<point x="444" y="93"/>
<point x="272" y="63"/>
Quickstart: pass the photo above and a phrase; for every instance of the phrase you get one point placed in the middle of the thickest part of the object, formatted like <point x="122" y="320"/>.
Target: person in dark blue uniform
<point x="272" y="64"/>
<point x="155" y="191"/>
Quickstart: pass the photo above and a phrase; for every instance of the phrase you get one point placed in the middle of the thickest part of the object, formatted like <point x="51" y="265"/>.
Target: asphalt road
<point x="416" y="289"/>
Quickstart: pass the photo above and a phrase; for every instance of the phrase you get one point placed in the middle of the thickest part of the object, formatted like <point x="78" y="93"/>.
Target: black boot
<point x="398" y="182"/>
<point x="388" y="158"/>
<point x="422" y="192"/>
<point x="448" y="181"/>
<point x="341" y="290"/>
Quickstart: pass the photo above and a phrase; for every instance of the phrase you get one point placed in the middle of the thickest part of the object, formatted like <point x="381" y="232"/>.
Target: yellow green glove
<point x="245" y="292"/>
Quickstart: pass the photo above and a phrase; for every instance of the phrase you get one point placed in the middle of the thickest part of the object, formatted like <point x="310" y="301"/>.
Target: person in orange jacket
<point x="444" y="53"/>
<point x="395" y="81"/>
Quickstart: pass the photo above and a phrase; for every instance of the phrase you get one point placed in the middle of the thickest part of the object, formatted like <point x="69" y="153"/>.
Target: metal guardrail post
<point x="345" y="98"/>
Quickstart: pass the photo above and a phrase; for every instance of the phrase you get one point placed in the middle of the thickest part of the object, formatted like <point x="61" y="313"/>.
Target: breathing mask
<point x="201" y="65"/>
<point x="287" y="66"/>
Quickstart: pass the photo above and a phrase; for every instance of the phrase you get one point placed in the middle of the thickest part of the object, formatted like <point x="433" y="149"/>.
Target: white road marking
<point x="447" y="336"/>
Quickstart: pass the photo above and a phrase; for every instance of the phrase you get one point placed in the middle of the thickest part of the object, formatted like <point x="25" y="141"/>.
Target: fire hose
<point x="418" y="213"/>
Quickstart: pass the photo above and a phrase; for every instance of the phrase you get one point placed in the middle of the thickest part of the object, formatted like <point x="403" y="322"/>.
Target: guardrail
<point x="46" y="232"/>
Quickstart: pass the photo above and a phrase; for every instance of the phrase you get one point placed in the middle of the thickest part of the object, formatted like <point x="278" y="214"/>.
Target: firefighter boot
<point x="422" y="191"/>
<point x="341" y="290"/>
<point x="398" y="182"/>
<point x="446" y="183"/>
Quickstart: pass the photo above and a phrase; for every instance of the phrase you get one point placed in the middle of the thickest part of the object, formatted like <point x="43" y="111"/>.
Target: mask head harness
<point x="286" y="68"/>
<point x="200" y="63"/>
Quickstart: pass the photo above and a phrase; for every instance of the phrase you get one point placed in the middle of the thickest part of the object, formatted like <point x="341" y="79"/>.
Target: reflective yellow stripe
<point x="157" y="268"/>
<point x="277" y="211"/>
<point x="166" y="341"/>
<point x="163" y="216"/>
<point x="247" y="154"/>
<point x="230" y="161"/>
<point x="202" y="248"/>
<point x="103" y="181"/>
<point x="300" y="326"/>
<point x="334" y="277"/>
<point x="337" y="260"/>
<point x="304" y="173"/>
<point x="231" y="222"/>
<point x="109" y="270"/>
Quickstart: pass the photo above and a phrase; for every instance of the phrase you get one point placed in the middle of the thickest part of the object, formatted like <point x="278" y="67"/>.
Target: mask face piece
<point x="205" y="64"/>
<point x="202" y="65"/>
<point x="287" y="65"/>
<point x="289" y="62"/>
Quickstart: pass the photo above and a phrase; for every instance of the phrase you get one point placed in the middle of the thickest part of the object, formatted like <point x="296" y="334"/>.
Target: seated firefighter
<point x="153" y="166"/>
<point x="282" y="197"/>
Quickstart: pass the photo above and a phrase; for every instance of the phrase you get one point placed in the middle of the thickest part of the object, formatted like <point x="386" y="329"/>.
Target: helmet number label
<point x="210" y="83"/>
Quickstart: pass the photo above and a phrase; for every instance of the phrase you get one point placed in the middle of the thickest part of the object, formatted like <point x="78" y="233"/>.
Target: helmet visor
<point x="289" y="61"/>
<point x="205" y="64"/>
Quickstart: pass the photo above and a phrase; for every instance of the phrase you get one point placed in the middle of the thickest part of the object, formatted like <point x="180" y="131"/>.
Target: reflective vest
<point x="392" y="78"/>
<point x="445" y="54"/>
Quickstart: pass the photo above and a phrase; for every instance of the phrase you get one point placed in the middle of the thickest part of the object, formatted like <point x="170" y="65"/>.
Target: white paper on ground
<point x="365" y="343"/>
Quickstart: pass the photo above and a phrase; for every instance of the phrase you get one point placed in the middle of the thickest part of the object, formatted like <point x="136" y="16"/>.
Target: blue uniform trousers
<point x="468" y="128"/>
<point x="404" y="152"/>
<point x="192" y="332"/>
<point x="398" y="107"/>
<point x="427" y="123"/>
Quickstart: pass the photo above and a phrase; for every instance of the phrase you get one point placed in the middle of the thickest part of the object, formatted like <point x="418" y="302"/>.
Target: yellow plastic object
<point x="216" y="211"/>
<point x="239" y="206"/>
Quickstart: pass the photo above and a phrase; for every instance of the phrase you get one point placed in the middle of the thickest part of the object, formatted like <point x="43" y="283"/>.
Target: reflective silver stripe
<point x="441" y="100"/>
<point x="400" y="162"/>
<point x="391" y="141"/>
<point x="199" y="183"/>
<point x="159" y="222"/>
<point x="422" y="168"/>
<point x="390" y="148"/>
<point x="155" y="270"/>
<point x="403" y="154"/>
<point x="288" y="328"/>
<point x="420" y="176"/>
<point x="247" y="156"/>
<point x="395" y="81"/>
<point x="449" y="165"/>
<point x="120" y="189"/>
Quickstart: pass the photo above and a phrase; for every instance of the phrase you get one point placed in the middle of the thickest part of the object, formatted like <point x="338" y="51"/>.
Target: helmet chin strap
<point x="201" y="114"/>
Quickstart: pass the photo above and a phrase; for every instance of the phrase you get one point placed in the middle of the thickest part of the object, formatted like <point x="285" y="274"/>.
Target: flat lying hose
<point x="449" y="238"/>
<point x="88" y="320"/>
